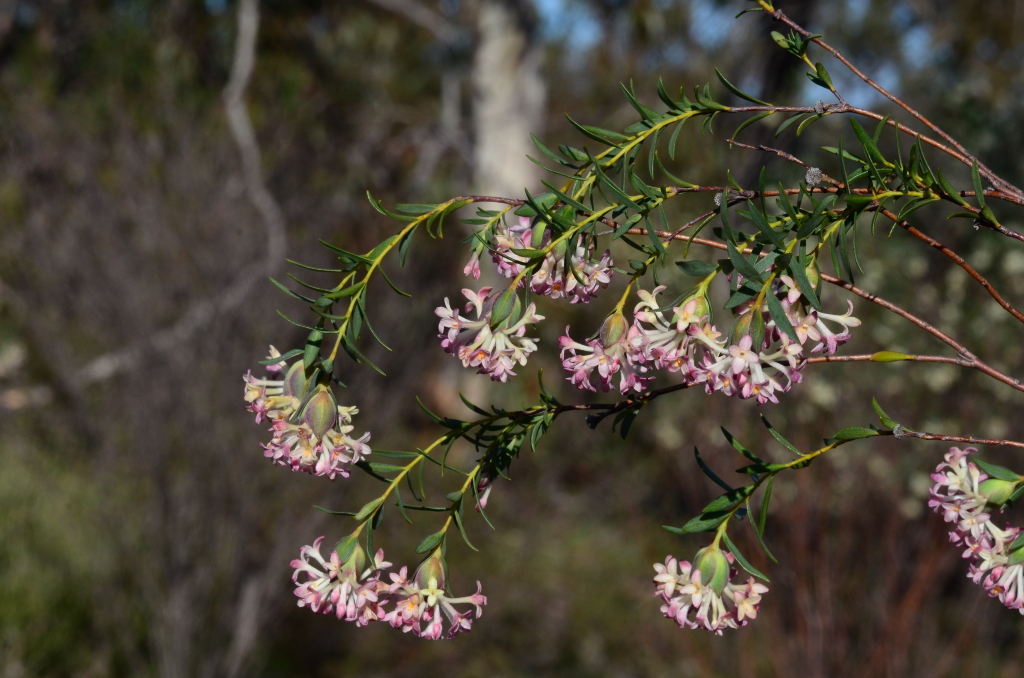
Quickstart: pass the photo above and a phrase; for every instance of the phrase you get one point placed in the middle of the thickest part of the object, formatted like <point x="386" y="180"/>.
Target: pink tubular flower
<point x="690" y="345"/>
<point x="315" y="440"/>
<point x="594" y="365"/>
<point x="354" y="593"/>
<point x="421" y="601"/>
<point x="552" y="279"/>
<point x="493" y="348"/>
<point x="964" y="496"/>
<point x="706" y="590"/>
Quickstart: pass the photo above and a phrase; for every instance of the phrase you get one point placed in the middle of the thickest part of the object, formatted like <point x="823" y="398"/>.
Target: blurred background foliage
<point x="142" y="533"/>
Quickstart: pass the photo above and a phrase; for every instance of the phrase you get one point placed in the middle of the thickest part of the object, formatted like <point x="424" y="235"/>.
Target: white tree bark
<point x="509" y="100"/>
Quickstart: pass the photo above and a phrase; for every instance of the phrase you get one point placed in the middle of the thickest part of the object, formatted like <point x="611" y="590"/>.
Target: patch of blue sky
<point x="570" y="22"/>
<point x="216" y="6"/>
<point x="857" y="11"/>
<point x="710" y="23"/>
<point x="916" y="45"/>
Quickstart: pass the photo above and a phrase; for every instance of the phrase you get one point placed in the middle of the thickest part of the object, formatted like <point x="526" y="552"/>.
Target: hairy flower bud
<point x="295" y="380"/>
<point x="997" y="490"/>
<point x="321" y="411"/>
<point x="714" y="568"/>
<point x="813" y="274"/>
<point x="432" y="572"/>
<point x="750" y="322"/>
<point x="613" y="329"/>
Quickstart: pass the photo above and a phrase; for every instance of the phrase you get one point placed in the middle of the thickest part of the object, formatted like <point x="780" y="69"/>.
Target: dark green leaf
<point x="779" y="316"/>
<point x="430" y="543"/>
<point x="994" y="471"/>
<point x="886" y="420"/>
<point x="699" y="269"/>
<point x="855" y="433"/>
<point x="744" y="563"/>
<point x="709" y="473"/>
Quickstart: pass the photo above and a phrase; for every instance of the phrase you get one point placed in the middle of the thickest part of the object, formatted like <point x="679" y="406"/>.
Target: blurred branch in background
<point x="201" y="314"/>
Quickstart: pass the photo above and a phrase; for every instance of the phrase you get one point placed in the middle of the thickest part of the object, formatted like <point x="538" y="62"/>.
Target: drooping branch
<point x="966" y="156"/>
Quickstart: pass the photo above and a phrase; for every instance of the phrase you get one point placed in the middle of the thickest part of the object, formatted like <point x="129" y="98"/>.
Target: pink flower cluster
<point x="494" y="348"/>
<point x="357" y="594"/>
<point x="688" y="344"/>
<point x="315" y="439"/>
<point x="964" y="496"/>
<point x="551" y="279"/>
<point x="714" y="607"/>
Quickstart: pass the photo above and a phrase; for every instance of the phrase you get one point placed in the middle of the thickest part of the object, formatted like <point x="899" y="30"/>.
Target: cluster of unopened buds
<point x="311" y="432"/>
<point x="706" y="590"/>
<point x="966" y="497"/>
<point x="355" y="591"/>
<point x="688" y="344"/>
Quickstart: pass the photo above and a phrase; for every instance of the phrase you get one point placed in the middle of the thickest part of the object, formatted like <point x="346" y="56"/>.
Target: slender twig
<point x="971" y="360"/>
<point x="932" y="242"/>
<point x="960" y="261"/>
<point x="968" y="158"/>
<point x="860" y="357"/>
<point x="956" y="439"/>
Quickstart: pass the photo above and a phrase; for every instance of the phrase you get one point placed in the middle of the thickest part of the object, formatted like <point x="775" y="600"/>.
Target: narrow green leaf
<point x="739" y="447"/>
<point x="994" y="471"/>
<point x="430" y="543"/>
<point x="886" y="420"/>
<point x="730" y="499"/>
<point x="699" y="269"/>
<point x="855" y="433"/>
<point x="737" y="91"/>
<point x="368" y="508"/>
<point x="744" y="563"/>
<point x="750" y="121"/>
<point x="787" y="123"/>
<point x="709" y="473"/>
<point x="763" y="516"/>
<point x="743" y="267"/>
<point x="779" y="316"/>
<point x="979" y="191"/>
<point x="703" y="523"/>
<point x="778" y="436"/>
<point x="890" y="357"/>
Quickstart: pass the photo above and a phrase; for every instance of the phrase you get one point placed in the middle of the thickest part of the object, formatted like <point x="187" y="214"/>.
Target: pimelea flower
<point x="686" y="343"/>
<point x="354" y="593"/>
<point x="578" y="284"/>
<point x="494" y="348"/>
<point x="616" y="351"/>
<point x="421" y="601"/>
<point x="706" y="590"/>
<point x="315" y="440"/>
<point x="966" y="497"/>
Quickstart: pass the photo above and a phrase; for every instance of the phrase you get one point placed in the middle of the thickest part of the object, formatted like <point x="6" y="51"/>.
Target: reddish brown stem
<point x="967" y="157"/>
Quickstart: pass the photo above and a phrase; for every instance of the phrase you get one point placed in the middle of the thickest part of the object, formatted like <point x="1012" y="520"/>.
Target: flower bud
<point x="537" y="235"/>
<point x="614" y="328"/>
<point x="750" y="322"/>
<point x="996" y="490"/>
<point x="434" y="567"/>
<point x="295" y="380"/>
<point x="714" y="568"/>
<point x="355" y="560"/>
<point x="321" y="411"/>
<point x="559" y="250"/>
<point x="504" y="305"/>
<point x="813" y="274"/>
